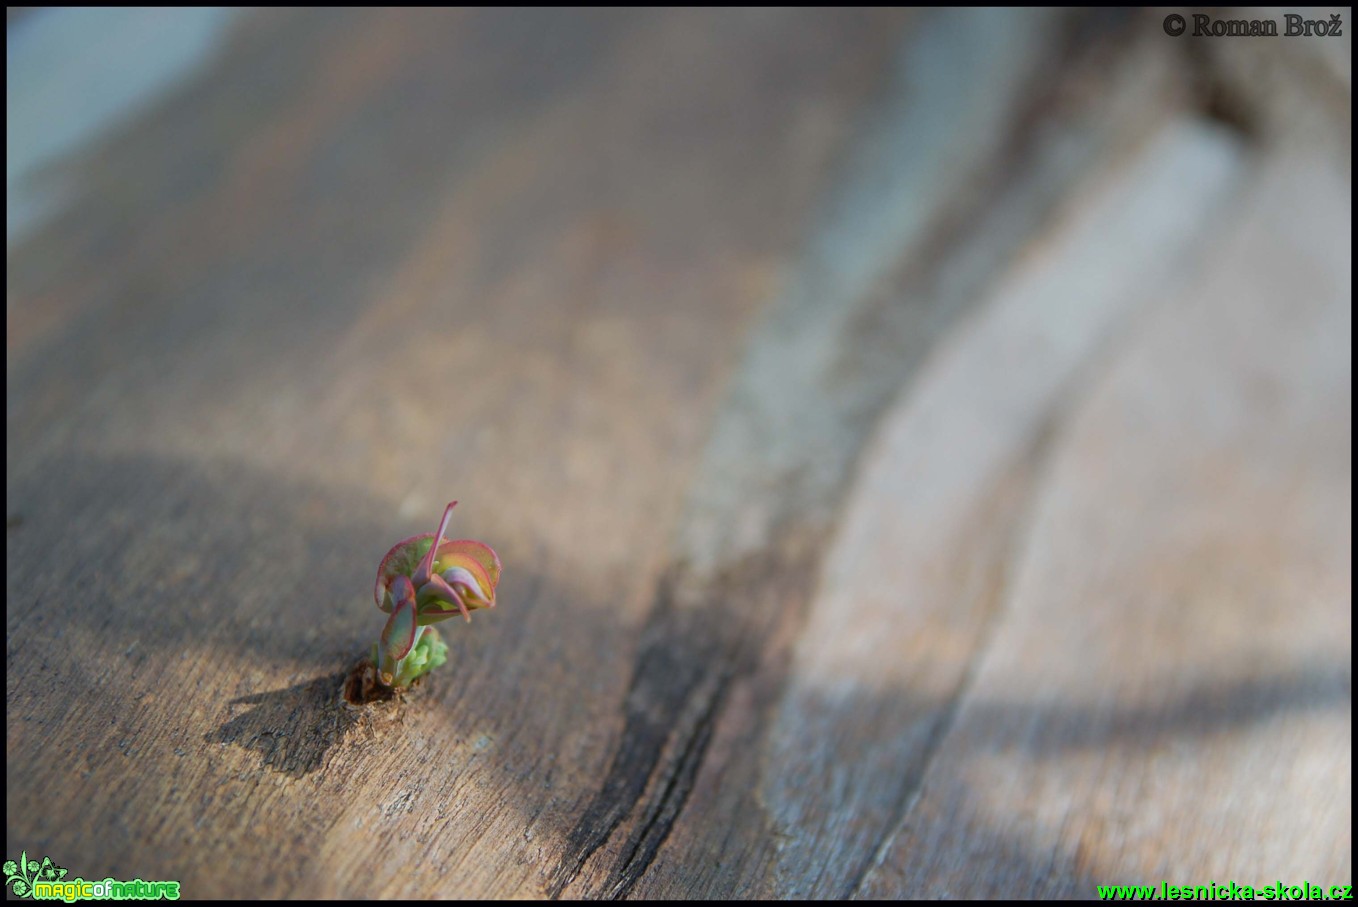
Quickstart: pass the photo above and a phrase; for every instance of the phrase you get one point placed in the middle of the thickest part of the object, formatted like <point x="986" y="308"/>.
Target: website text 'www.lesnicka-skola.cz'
<point x="1226" y="891"/>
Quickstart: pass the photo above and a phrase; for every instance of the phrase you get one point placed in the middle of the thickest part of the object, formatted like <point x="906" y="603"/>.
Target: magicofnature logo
<point x="46" y="881"/>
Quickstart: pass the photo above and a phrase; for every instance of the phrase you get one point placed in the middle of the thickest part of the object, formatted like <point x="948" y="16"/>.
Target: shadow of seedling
<point x="294" y="729"/>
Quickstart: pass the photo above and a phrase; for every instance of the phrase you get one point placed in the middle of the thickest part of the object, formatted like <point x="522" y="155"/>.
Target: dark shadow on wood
<point x="291" y="729"/>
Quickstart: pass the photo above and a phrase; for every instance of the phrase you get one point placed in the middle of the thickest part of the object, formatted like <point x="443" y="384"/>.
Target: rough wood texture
<point x="918" y="444"/>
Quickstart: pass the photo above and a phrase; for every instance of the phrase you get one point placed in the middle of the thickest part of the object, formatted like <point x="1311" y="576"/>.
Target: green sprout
<point x="423" y="580"/>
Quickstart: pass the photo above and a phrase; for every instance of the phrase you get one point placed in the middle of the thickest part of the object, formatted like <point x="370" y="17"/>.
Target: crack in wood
<point x="676" y="666"/>
<point x="646" y="842"/>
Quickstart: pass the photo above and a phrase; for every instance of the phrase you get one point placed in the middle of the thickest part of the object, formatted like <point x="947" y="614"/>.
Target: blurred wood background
<point x="919" y="445"/>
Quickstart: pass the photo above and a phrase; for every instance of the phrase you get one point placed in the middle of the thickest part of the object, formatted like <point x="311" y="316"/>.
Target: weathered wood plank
<point x="778" y="836"/>
<point x="243" y="424"/>
<point x="914" y="584"/>
<point x="638" y="288"/>
<point x="1166" y="694"/>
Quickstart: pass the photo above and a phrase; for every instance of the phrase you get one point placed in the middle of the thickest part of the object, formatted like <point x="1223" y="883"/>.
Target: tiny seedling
<point x="423" y="580"/>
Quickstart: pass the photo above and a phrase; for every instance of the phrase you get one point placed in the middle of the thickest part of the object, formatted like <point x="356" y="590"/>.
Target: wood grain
<point x="1196" y="515"/>
<point x="918" y="445"/>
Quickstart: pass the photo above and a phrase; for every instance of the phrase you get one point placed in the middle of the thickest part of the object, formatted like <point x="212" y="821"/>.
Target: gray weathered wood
<point x="918" y="445"/>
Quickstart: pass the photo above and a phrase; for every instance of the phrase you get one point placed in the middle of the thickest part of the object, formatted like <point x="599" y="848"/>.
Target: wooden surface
<point x="919" y="445"/>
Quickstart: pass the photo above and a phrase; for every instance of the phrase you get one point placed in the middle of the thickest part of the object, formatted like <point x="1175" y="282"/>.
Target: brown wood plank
<point x="783" y="355"/>
<point x="298" y="362"/>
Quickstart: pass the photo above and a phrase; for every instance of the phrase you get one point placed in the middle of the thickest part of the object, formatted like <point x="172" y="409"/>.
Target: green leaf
<point x="429" y="653"/>
<point x="402" y="560"/>
<point x="397" y="637"/>
<point x="480" y="553"/>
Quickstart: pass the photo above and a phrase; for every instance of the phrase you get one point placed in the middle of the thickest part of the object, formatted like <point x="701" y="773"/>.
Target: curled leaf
<point x="407" y="556"/>
<point x="456" y="551"/>
<point x="438" y="600"/>
<point x="402" y="560"/>
<point x="398" y="636"/>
